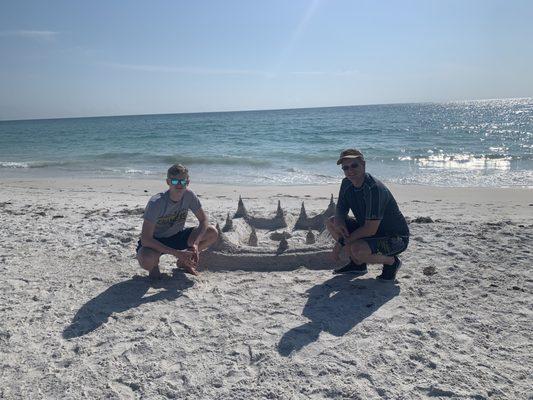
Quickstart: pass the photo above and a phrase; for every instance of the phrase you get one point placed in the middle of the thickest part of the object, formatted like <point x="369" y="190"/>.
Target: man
<point x="379" y="231"/>
<point x="164" y="232"/>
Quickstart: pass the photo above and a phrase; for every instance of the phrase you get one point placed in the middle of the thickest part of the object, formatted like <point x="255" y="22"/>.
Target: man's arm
<point x="376" y="198"/>
<point x="369" y="228"/>
<point x="341" y="212"/>
<point x="148" y="240"/>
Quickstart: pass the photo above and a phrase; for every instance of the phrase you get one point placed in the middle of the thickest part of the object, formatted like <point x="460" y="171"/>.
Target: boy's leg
<point x="149" y="260"/>
<point x="209" y="237"/>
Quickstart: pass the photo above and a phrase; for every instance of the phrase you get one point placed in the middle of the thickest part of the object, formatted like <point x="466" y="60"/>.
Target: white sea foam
<point x="11" y="164"/>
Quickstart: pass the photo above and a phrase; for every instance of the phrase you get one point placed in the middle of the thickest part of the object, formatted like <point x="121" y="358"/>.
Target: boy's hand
<point x="195" y="253"/>
<point x="186" y="261"/>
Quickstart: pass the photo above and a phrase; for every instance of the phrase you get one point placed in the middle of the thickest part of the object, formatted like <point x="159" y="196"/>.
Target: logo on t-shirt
<point x="168" y="220"/>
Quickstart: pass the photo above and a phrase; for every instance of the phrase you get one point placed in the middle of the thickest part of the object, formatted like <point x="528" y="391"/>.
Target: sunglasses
<point x="352" y="165"/>
<point x="181" y="182"/>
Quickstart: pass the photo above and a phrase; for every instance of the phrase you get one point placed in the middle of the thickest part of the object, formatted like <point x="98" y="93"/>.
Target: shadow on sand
<point x="122" y="297"/>
<point x="336" y="306"/>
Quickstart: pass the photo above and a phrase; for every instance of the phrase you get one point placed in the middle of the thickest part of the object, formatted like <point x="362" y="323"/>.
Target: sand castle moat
<point x="282" y="241"/>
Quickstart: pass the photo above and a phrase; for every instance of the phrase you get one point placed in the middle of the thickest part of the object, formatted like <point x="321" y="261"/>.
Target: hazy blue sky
<point x="82" y="58"/>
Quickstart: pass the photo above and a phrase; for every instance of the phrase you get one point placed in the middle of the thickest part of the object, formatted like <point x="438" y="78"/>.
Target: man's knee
<point x="360" y="250"/>
<point x="330" y="224"/>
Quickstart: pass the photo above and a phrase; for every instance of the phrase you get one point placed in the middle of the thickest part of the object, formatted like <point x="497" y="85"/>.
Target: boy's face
<point x="178" y="182"/>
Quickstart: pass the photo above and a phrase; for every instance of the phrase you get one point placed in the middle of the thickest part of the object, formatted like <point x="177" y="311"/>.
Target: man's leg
<point x="353" y="266"/>
<point x="332" y="228"/>
<point x="149" y="260"/>
<point x="361" y="253"/>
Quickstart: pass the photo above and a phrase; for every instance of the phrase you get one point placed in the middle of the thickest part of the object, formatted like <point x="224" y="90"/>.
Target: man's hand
<point x="342" y="230"/>
<point x="337" y="250"/>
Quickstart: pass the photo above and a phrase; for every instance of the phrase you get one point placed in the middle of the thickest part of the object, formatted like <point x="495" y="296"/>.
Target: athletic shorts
<point x="178" y="241"/>
<point x="383" y="245"/>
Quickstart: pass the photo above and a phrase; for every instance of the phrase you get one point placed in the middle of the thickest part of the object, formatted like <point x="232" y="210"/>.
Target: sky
<point x="88" y="58"/>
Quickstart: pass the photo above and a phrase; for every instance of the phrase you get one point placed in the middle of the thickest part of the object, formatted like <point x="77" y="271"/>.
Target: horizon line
<point x="262" y="109"/>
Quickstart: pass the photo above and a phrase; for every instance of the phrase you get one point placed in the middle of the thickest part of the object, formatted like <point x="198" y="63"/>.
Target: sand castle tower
<point x="283" y="245"/>
<point x="228" y="226"/>
<point x="252" y="241"/>
<point x="301" y="222"/>
<point x="241" y="210"/>
<point x="279" y="212"/>
<point x="310" y="237"/>
<point x="331" y="208"/>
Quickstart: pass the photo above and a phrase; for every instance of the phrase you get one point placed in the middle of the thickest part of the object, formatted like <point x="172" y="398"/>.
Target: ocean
<point x="470" y="143"/>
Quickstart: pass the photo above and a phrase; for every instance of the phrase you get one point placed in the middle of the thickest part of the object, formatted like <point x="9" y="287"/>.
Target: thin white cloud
<point x="353" y="72"/>
<point x="30" y="34"/>
<point x="295" y="36"/>
<point x="220" y="71"/>
<point x="183" y="70"/>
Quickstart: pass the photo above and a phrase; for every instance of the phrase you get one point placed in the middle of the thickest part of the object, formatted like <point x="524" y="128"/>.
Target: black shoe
<point x="155" y="274"/>
<point x="352" y="268"/>
<point x="389" y="271"/>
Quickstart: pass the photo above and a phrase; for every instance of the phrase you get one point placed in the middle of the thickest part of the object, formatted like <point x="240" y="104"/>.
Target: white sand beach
<point x="80" y="319"/>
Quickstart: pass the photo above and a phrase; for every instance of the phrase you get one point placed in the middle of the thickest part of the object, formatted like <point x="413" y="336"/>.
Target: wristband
<point x="341" y="241"/>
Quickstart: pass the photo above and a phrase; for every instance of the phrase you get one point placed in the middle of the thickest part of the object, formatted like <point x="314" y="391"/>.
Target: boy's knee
<point x="212" y="233"/>
<point x="147" y="261"/>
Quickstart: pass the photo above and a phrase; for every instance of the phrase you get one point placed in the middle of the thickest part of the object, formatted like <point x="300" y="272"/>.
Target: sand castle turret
<point x="283" y="245"/>
<point x="279" y="212"/>
<point x="222" y="240"/>
<point x="310" y="237"/>
<point x="301" y="223"/>
<point x="252" y="241"/>
<point x="331" y="208"/>
<point x="241" y="210"/>
<point x="228" y="226"/>
<point x="271" y="223"/>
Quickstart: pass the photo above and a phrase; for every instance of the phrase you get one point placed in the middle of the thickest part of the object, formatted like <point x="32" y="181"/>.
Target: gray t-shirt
<point x="169" y="216"/>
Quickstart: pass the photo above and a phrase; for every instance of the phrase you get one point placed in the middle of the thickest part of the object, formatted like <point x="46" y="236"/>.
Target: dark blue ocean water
<point x="474" y="143"/>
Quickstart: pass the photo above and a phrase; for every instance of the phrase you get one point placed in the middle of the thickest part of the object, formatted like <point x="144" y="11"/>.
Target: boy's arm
<point x="202" y="227"/>
<point x="148" y="240"/>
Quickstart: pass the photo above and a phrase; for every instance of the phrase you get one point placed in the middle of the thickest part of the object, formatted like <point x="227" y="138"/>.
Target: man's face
<point x="178" y="182"/>
<point x="354" y="168"/>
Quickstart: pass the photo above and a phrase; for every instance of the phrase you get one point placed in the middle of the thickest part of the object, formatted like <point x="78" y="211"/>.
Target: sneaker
<point x="352" y="268"/>
<point x="389" y="271"/>
<point x="155" y="273"/>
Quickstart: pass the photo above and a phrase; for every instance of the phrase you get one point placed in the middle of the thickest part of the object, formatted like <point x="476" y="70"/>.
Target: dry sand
<point x="79" y="319"/>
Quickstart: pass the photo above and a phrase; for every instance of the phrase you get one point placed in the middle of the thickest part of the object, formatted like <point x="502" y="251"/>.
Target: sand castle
<point x="250" y="242"/>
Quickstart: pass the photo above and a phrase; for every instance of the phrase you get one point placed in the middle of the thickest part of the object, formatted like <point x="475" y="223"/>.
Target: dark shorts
<point x="383" y="245"/>
<point x="178" y="241"/>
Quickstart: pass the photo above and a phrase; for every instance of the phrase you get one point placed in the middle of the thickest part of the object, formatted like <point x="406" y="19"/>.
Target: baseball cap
<point x="350" y="153"/>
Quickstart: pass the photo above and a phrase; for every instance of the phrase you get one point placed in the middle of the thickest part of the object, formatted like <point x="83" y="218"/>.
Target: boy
<point x="164" y="232"/>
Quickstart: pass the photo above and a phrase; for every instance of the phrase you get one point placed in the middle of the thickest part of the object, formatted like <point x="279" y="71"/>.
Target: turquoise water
<point x="474" y="143"/>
